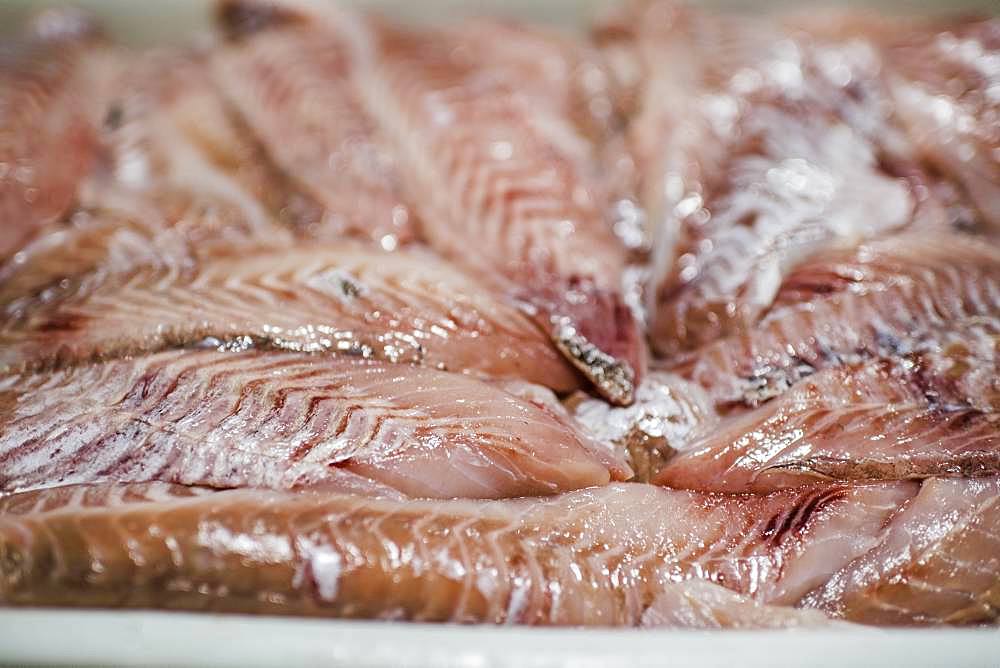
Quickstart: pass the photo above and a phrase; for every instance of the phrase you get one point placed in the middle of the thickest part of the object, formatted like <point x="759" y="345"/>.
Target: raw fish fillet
<point x="296" y="88"/>
<point x="176" y="179"/>
<point x="944" y="84"/>
<point x="168" y="128"/>
<point x="936" y="562"/>
<point x="344" y="299"/>
<point x="285" y="420"/>
<point x="756" y="151"/>
<point x="942" y="76"/>
<point x="933" y="295"/>
<point x="48" y="141"/>
<point x="119" y="231"/>
<point x="876" y="421"/>
<point x="503" y="185"/>
<point x="590" y="557"/>
<point x="324" y="315"/>
<point x="568" y="76"/>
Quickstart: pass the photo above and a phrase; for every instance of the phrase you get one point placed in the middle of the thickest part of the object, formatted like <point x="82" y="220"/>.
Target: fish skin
<point x="594" y="557"/>
<point x="345" y="298"/>
<point x="936" y="562"/>
<point x="48" y="142"/>
<point x="296" y="91"/>
<point x="496" y="190"/>
<point x="284" y="420"/>
<point x="923" y="295"/>
<point x="873" y="421"/>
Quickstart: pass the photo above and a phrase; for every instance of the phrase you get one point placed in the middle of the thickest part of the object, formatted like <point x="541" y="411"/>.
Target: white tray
<point x="185" y="639"/>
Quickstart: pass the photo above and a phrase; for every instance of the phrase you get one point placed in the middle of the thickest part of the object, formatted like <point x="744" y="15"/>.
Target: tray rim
<point x="114" y="637"/>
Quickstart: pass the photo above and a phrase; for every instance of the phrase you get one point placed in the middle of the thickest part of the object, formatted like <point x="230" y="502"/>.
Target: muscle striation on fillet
<point x="503" y="185"/>
<point x="757" y="149"/>
<point x="296" y="89"/>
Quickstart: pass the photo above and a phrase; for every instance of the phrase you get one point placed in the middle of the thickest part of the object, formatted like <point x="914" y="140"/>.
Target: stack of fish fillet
<point x="692" y="320"/>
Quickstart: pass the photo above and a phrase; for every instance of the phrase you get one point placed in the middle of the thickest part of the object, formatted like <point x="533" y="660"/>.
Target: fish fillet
<point x="945" y="86"/>
<point x="120" y="233"/>
<point x="285" y="420"/>
<point x="875" y="421"/>
<point x="296" y="88"/>
<point x="757" y="151"/>
<point x="941" y="77"/>
<point x="48" y="141"/>
<point x="701" y="604"/>
<point x="501" y="187"/>
<point x="590" y="557"/>
<point x="904" y="295"/>
<point x="175" y="179"/>
<point x="168" y="128"/>
<point x="936" y="562"/>
<point x="342" y="299"/>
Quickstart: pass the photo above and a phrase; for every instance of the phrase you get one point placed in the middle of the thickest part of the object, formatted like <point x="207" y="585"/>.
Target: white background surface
<point x="180" y="639"/>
